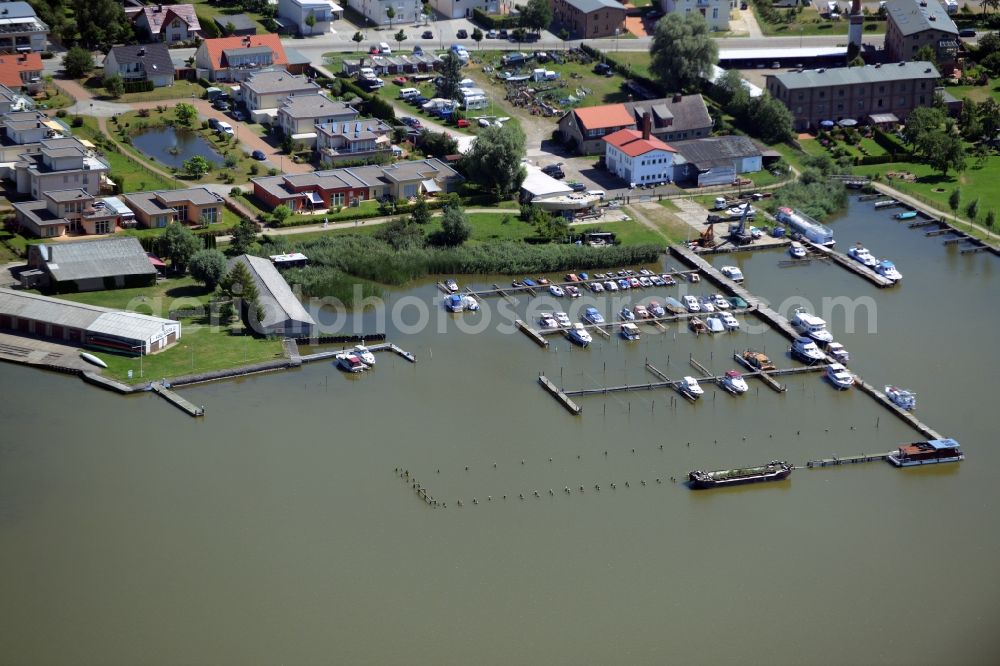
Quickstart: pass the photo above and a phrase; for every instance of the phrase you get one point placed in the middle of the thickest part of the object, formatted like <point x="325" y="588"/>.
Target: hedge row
<point x="495" y="22"/>
<point x="401" y="209"/>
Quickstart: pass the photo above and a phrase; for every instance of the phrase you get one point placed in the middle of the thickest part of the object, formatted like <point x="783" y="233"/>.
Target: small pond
<point x="172" y="146"/>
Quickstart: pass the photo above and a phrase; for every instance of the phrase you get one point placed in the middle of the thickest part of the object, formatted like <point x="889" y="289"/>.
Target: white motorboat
<point x="691" y="303"/>
<point x="900" y="397"/>
<point x="593" y="316"/>
<point x="888" y="270"/>
<point x="611" y="285"/>
<point x="656" y="309"/>
<point x="454" y="303"/>
<point x="743" y="208"/>
<point x="630" y="331"/>
<point x="730" y="322"/>
<point x="471" y="304"/>
<point x="734" y="382"/>
<point x="839" y="376"/>
<point x="567" y="201"/>
<point x="706" y="304"/>
<point x="90" y="358"/>
<point x="838" y="351"/>
<point x="573" y="292"/>
<point x="451" y="285"/>
<point x="690" y="386"/>
<point x="596" y="287"/>
<point x="805" y="350"/>
<point x="563" y="320"/>
<point x="350" y="363"/>
<point x="579" y="335"/>
<point x="811" y="325"/>
<point x="860" y="254"/>
<point x="556" y="291"/>
<point x="732" y="272"/>
<point x="641" y="312"/>
<point x="720" y="302"/>
<point x="365" y="354"/>
<point x="626" y="314"/>
<point x="797" y="250"/>
<point x="546" y="320"/>
<point x="714" y="324"/>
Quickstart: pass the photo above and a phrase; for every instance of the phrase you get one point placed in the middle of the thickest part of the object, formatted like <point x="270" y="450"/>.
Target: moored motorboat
<point x="906" y="215"/>
<point x="888" y="270"/>
<point x="720" y="302"/>
<point x="697" y="326"/>
<point x="811" y="325"/>
<point x="714" y="324"/>
<point x="730" y="322"/>
<point x="454" y="303"/>
<point x="838" y="352"/>
<point x="900" y="397"/>
<point x="927" y="453"/>
<point x="630" y="331"/>
<point x="451" y="286"/>
<point x="839" y="376"/>
<point x="861" y="255"/>
<point x="773" y="471"/>
<point x="572" y="291"/>
<point x="556" y="291"/>
<point x="690" y="387"/>
<point x="563" y="319"/>
<point x="640" y="312"/>
<point x="593" y="316"/>
<point x="733" y="273"/>
<point x="805" y="350"/>
<point x="737" y="302"/>
<point x="673" y="305"/>
<point x="734" y="382"/>
<point x="691" y="303"/>
<point x="626" y="314"/>
<point x="706" y="304"/>
<point x="471" y="304"/>
<point x="656" y="309"/>
<point x="693" y="277"/>
<point x="350" y="363"/>
<point x="365" y="354"/>
<point x="546" y="320"/>
<point x="668" y="279"/>
<point x="579" y="335"/>
<point x="796" y="250"/>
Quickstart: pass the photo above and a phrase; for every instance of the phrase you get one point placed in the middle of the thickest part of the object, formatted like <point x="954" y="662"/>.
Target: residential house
<point x="913" y="24"/>
<point x="353" y="140"/>
<point x="406" y="13"/>
<point x="834" y="94"/>
<point x="235" y="24"/>
<point x="25" y="127"/>
<point x="238" y="58"/>
<point x="299" y="115"/>
<point x="589" y="19"/>
<point x="168" y="23"/>
<point x="141" y="62"/>
<point x="716" y="12"/>
<point x="58" y="164"/>
<point x="350" y="185"/>
<point x="715" y="160"/>
<point x="61" y="212"/>
<point x="297" y="12"/>
<point x="22" y="30"/>
<point x="93" y="265"/>
<point x="21" y="71"/>
<point x="263" y="92"/>
<point x="454" y="9"/>
<point x="194" y="205"/>
<point x="639" y="158"/>
<point x="673" y="118"/>
<point x="283" y="313"/>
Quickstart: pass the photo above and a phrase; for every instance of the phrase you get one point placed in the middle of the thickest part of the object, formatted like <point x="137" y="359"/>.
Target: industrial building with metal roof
<point x="283" y="313"/>
<point x="85" y="325"/>
<point x="106" y="263"/>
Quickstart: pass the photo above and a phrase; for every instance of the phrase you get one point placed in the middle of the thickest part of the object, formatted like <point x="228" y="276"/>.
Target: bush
<point x="487" y="21"/>
<point x="77" y="121"/>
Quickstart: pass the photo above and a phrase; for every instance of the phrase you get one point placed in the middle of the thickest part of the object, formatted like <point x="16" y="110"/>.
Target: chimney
<point x="647" y="123"/>
<point x="141" y="51"/>
<point x="677" y="98"/>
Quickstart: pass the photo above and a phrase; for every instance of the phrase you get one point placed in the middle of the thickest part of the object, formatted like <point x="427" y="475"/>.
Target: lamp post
<point x="617" y="31"/>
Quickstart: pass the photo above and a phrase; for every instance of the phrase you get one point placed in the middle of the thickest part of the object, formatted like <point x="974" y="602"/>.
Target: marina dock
<point x="559" y="395"/>
<point x="853" y="266"/>
<point x="903" y="414"/>
<point x="505" y="292"/>
<point x="532" y="334"/>
<point x="163" y="389"/>
<point x="848" y="460"/>
<point x="381" y="347"/>
<point x="658" y="322"/>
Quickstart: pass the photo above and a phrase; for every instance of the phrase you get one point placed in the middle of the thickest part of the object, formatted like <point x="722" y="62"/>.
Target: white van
<point x="384" y="49"/>
<point x="407" y="93"/>
<point x="366" y="73"/>
<point x="225" y="128"/>
<point x="596" y="193"/>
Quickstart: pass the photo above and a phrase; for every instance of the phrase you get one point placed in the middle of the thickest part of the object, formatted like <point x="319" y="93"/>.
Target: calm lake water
<point x="275" y="530"/>
<point x="173" y="146"/>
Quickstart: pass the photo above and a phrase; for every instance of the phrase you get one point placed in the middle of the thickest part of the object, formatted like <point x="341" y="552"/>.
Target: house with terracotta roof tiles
<point x="168" y="23"/>
<point x="637" y="157"/>
<point x="21" y="70"/>
<point x="239" y="57"/>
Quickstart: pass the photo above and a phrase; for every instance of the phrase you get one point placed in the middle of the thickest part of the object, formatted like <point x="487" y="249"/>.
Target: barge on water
<point x="930" y="452"/>
<point x="773" y="471"/>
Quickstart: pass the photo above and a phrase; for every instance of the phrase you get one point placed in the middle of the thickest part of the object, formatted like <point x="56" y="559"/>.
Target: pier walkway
<point x="163" y="389"/>
<point x="849" y="460"/>
<point x="382" y="346"/>
<point x="853" y="266"/>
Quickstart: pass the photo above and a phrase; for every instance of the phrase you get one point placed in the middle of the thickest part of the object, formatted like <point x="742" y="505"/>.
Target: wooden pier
<point x="849" y="460"/>
<point x="771" y="383"/>
<point x="383" y="346"/>
<point x="903" y="414"/>
<point x="851" y="265"/>
<point x="658" y="322"/>
<point x="534" y="335"/>
<point x="559" y="395"/>
<point x="506" y="292"/>
<point x="923" y="223"/>
<point x="886" y="203"/>
<point x="182" y="403"/>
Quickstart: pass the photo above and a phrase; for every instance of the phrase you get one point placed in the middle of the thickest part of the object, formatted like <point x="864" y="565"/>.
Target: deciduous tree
<point x="102" y="23"/>
<point x="536" y="15"/>
<point x="494" y="161"/>
<point x="185" y="113"/>
<point x="682" y="51"/>
<point x="244" y="236"/>
<point x="197" y="166"/>
<point x="208" y="267"/>
<point x="78" y="62"/>
<point x="114" y="85"/>
<point x="178" y="244"/>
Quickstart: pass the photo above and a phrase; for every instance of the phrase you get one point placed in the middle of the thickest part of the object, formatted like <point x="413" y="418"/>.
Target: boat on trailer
<point x="930" y="452"/>
<point x="776" y="470"/>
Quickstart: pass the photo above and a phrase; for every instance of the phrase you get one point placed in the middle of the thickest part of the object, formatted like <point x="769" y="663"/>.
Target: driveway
<point x="86" y="105"/>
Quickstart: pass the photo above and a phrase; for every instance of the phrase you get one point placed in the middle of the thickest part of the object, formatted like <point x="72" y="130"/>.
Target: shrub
<point x="77" y="121"/>
<point x="61" y="113"/>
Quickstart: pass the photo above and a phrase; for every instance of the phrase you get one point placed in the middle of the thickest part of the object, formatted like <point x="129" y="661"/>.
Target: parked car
<point x="419" y="50"/>
<point x="220" y="104"/>
<point x="373" y="50"/>
<point x="491" y="34"/>
<point x="258" y="155"/>
<point x="966" y="32"/>
<point x="400" y="81"/>
<point x="213" y="123"/>
<point x="238" y="115"/>
<point x="462" y="34"/>
<point x="577" y="187"/>
<point x="384" y="49"/>
<point x="427" y="34"/>
<point x="503" y="34"/>
<point x="462" y="122"/>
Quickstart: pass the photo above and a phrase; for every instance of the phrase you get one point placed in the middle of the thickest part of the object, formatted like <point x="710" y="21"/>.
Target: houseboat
<point x="901" y="398"/>
<point x="773" y="471"/>
<point x="811" y="325"/>
<point x="927" y="453"/>
<point x="805" y="226"/>
<point x="757" y="360"/>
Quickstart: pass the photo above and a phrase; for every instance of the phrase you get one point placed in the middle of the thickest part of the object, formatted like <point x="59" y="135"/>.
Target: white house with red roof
<point x="169" y="23"/>
<point x="639" y="158"/>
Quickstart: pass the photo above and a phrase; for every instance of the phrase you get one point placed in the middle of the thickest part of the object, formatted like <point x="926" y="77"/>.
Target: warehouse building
<point x="283" y="313"/>
<point x="85" y="325"/>
<point x="91" y="265"/>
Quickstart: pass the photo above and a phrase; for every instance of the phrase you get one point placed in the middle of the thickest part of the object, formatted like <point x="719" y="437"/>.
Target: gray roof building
<point x="94" y="259"/>
<point x="315" y="106"/>
<point x="241" y="24"/>
<point x="914" y="16"/>
<point x="277" y="81"/>
<point x="680" y="113"/>
<point x="852" y="76"/>
<point x="587" y="6"/>
<point x="283" y="312"/>
<point x="154" y="59"/>
<point x="714" y="151"/>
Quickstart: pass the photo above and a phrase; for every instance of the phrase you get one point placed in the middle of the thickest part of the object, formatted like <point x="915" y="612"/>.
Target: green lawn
<point x="200" y="349"/>
<point x="156" y="300"/>
<point x="976" y="93"/>
<point x="53" y="98"/>
<point x="208" y="11"/>
<point x="807" y="23"/>
<point x="128" y="171"/>
<point x="637" y="61"/>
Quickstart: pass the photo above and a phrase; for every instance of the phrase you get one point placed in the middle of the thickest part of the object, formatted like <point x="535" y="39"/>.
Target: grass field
<point x="179" y="90"/>
<point x="976" y="93"/>
<point x="157" y="300"/>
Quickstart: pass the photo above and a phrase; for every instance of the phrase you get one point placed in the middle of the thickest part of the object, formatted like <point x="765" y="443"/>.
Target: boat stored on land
<point x="90" y="358"/>
<point x="805" y="226"/>
<point x="567" y="202"/>
<point x="773" y="471"/>
<point x="900" y="397"/>
<point x="927" y="453"/>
